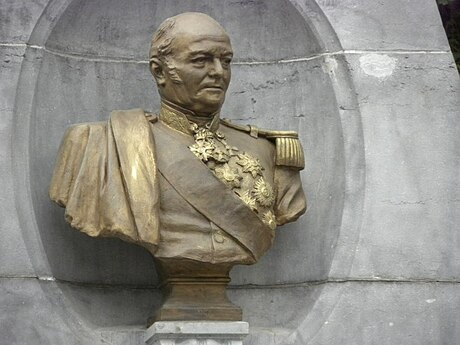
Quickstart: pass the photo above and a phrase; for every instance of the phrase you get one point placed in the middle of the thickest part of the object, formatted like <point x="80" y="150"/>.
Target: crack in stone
<point x="374" y="280"/>
<point x="108" y="59"/>
<point x="404" y="202"/>
<point x="418" y="202"/>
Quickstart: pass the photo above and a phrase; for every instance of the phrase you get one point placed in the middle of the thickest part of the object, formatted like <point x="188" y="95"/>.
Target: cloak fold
<point x="97" y="163"/>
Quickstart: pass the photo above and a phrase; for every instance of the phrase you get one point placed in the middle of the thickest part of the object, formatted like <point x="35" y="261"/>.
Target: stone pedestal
<point x="197" y="333"/>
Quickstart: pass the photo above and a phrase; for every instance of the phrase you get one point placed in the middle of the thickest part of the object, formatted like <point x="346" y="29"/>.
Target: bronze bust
<point x="200" y="193"/>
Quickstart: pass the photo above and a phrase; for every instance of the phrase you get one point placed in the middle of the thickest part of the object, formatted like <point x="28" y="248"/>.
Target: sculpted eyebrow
<point x="207" y="53"/>
<point x="198" y="52"/>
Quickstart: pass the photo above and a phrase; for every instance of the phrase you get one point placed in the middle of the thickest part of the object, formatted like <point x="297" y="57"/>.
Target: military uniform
<point x="184" y="187"/>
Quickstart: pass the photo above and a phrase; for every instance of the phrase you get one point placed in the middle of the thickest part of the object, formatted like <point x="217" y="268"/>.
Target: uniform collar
<point x="181" y="119"/>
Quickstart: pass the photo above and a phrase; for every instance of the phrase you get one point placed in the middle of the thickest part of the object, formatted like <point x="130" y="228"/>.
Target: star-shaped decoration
<point x="248" y="200"/>
<point x="203" y="134"/>
<point x="263" y="192"/>
<point x="203" y="150"/>
<point x="250" y="164"/>
<point x="269" y="219"/>
<point x="230" y="149"/>
<point x="220" y="156"/>
<point x="228" y="175"/>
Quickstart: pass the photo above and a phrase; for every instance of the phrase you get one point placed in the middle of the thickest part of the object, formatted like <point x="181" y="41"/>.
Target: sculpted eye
<point x="226" y="62"/>
<point x="199" y="61"/>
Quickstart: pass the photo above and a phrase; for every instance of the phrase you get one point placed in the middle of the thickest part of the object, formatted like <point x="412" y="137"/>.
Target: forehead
<point x="189" y="44"/>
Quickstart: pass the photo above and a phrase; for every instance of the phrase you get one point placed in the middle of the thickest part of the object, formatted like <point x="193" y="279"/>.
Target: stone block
<point x="196" y="332"/>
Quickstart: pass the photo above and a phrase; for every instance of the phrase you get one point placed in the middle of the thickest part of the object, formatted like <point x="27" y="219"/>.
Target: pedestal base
<point x="197" y="299"/>
<point x="194" y="291"/>
<point x="197" y="332"/>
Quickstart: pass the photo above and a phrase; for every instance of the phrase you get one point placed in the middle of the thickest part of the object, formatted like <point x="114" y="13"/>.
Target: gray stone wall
<point x="373" y="91"/>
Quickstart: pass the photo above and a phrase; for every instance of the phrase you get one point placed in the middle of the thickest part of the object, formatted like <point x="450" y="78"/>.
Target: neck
<point x="180" y="118"/>
<point x="188" y="112"/>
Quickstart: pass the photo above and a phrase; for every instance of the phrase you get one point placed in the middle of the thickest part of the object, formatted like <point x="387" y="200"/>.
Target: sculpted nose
<point x="216" y="69"/>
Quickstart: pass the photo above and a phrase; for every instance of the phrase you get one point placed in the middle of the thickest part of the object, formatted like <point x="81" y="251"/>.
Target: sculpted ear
<point x="158" y="72"/>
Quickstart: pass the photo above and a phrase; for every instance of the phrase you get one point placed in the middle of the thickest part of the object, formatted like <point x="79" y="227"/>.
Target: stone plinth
<point x="197" y="332"/>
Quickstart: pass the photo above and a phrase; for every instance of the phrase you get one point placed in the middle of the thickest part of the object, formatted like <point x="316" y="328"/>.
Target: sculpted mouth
<point x="216" y="87"/>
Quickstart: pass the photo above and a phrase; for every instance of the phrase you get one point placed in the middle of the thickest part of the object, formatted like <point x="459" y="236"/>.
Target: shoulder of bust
<point x="289" y="151"/>
<point x="78" y="128"/>
<point x="81" y="128"/>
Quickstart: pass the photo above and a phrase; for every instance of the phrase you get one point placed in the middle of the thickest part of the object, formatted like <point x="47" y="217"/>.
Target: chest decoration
<point x="239" y="171"/>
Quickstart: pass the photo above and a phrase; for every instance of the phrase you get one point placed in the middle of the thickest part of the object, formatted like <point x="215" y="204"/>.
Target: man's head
<point x="190" y="59"/>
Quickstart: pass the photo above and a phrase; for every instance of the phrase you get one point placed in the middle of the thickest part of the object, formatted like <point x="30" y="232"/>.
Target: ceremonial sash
<point x="196" y="183"/>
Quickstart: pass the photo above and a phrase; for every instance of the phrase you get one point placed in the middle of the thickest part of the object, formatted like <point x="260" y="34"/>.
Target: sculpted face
<point x="203" y="66"/>
<point x="197" y="74"/>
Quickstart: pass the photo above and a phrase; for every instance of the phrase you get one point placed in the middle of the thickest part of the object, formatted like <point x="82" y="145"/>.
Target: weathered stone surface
<point x="14" y="260"/>
<point x="18" y="18"/>
<point x="111" y="306"/>
<point x="386" y="313"/>
<point x="123" y="30"/>
<point x="278" y="308"/>
<point x="35" y="312"/>
<point x="386" y="25"/>
<point x="411" y="130"/>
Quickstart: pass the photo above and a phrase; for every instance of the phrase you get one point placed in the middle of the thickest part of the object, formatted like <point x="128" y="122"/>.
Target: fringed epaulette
<point x="289" y="151"/>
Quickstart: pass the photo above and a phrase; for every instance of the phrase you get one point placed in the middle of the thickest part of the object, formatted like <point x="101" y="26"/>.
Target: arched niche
<point x="94" y="61"/>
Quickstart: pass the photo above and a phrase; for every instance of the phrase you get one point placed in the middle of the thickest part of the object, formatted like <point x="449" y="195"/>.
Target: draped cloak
<point x="106" y="178"/>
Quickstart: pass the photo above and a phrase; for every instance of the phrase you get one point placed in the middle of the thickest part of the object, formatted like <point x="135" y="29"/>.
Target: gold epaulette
<point x="289" y="151"/>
